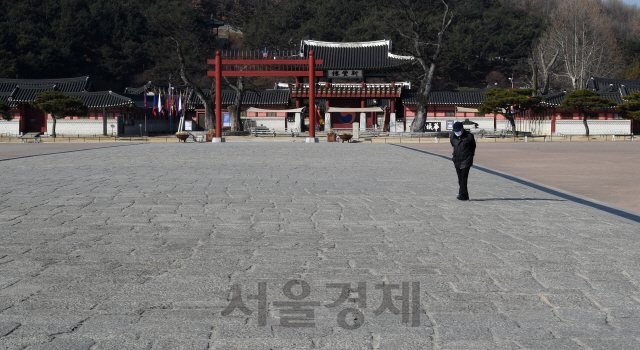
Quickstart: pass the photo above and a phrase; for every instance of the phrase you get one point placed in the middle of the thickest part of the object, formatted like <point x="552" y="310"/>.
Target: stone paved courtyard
<point x="271" y="245"/>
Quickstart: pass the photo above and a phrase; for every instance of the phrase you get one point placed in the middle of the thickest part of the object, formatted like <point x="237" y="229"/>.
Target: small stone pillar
<point x="363" y="121"/>
<point x="327" y="122"/>
<point x="392" y="122"/>
<point x="297" y="124"/>
<point x="356" y="132"/>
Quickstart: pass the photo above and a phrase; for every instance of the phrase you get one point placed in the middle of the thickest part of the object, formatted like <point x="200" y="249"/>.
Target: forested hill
<point x="125" y="42"/>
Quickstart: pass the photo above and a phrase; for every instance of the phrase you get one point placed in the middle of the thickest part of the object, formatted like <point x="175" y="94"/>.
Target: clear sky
<point x="636" y="2"/>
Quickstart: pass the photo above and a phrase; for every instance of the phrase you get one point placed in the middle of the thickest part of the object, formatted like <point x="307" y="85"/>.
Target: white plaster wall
<point x="82" y="127"/>
<point x="10" y="128"/>
<point x="596" y="127"/>
<point x="483" y="123"/>
<point x="535" y="127"/>
<point x="407" y="123"/>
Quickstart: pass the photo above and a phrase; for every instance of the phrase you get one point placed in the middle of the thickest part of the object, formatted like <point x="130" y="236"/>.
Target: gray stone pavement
<point x="140" y="247"/>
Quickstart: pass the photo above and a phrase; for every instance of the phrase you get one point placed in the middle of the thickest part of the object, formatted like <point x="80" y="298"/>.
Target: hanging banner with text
<point x="345" y="74"/>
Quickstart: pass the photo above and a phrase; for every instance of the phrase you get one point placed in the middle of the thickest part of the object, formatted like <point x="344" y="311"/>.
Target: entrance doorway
<point x="34" y="121"/>
<point x="201" y="124"/>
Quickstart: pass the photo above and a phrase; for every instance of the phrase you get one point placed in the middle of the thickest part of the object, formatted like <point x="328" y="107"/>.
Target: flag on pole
<point x="160" y="111"/>
<point x="180" y="105"/>
<point x="173" y="104"/>
<point x="169" y="103"/>
<point x="155" y="105"/>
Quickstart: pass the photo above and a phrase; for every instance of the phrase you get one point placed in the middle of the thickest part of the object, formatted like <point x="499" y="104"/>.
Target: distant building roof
<point x="26" y="94"/>
<point x="368" y="55"/>
<point x="64" y="84"/>
<point x="21" y="91"/>
<point x="150" y="86"/>
<point x="611" y="85"/>
<point x="251" y="98"/>
<point x="446" y="97"/>
<point x="102" y="99"/>
<point x="555" y="100"/>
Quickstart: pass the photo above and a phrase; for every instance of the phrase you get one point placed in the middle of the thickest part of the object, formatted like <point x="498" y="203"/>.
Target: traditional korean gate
<point x="261" y="64"/>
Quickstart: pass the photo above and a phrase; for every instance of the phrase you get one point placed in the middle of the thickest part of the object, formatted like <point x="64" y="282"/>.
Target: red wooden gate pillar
<point x="218" y="94"/>
<point x="312" y="95"/>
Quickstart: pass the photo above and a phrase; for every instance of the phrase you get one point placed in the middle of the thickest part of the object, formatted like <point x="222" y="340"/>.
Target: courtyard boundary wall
<point x="10" y="128"/>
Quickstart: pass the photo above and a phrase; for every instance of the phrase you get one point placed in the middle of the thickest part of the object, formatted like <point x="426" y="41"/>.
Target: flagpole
<point x="145" y="110"/>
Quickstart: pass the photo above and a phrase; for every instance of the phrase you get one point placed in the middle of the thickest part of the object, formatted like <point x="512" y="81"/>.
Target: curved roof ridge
<point x="383" y="42"/>
<point x="400" y="57"/>
<point x="42" y="81"/>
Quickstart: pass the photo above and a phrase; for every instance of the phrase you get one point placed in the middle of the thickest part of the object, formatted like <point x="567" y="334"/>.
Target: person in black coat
<point x="464" y="148"/>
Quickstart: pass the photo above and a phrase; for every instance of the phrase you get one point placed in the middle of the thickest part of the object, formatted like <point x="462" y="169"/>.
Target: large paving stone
<point x="147" y="246"/>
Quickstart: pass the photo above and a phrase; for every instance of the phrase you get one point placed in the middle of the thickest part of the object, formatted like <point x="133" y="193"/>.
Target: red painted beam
<point x="265" y="62"/>
<point x="245" y="73"/>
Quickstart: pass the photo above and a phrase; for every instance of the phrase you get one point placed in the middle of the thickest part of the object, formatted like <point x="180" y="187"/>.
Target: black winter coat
<point x="464" y="148"/>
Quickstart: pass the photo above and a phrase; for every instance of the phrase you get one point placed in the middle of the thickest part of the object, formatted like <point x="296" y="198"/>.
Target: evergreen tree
<point x="631" y="107"/>
<point x="4" y="111"/>
<point x="585" y="100"/>
<point x="510" y="102"/>
<point x="58" y="105"/>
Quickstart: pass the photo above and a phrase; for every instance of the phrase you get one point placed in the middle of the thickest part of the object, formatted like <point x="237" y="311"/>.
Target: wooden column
<point x="298" y="84"/>
<point x="312" y="95"/>
<point x="218" y="94"/>
<point x="104" y="121"/>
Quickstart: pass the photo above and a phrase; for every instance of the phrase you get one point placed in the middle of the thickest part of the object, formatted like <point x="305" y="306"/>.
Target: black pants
<point x="463" y="175"/>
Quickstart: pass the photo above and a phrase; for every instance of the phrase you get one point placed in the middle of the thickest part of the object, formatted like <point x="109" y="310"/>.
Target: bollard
<point x="545" y="138"/>
<point x="436" y="139"/>
<point x="525" y="138"/>
<point x="613" y="137"/>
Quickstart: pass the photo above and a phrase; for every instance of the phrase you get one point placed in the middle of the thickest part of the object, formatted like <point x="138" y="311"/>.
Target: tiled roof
<point x="610" y="84"/>
<point x="25" y="94"/>
<point x="4" y="97"/>
<point x="102" y="99"/>
<point x="251" y="98"/>
<point x="627" y="90"/>
<point x="614" y="96"/>
<point x="355" y="55"/>
<point x="446" y="97"/>
<point x="138" y="100"/>
<point x="554" y="100"/>
<point x="64" y="84"/>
